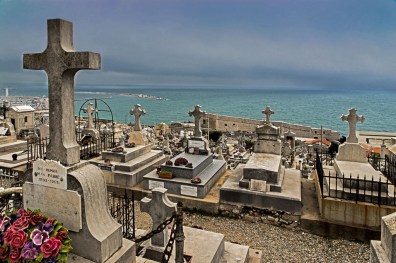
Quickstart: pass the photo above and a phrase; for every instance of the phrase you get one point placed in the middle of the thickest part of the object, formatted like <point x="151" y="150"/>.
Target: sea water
<point x="313" y="107"/>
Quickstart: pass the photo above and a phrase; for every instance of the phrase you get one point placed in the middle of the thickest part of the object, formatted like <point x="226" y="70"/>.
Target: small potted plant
<point x="165" y="174"/>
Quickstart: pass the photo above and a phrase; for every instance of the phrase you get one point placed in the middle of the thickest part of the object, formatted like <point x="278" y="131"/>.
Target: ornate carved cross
<point x="90" y="110"/>
<point x="61" y="63"/>
<point x="137" y="112"/>
<point x="352" y="119"/>
<point x="268" y="112"/>
<point x="198" y="114"/>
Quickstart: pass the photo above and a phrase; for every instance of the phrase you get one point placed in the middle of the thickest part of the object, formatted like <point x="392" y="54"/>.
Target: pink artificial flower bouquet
<point x="29" y="236"/>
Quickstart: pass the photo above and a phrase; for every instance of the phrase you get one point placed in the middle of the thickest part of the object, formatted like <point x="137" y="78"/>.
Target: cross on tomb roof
<point x="198" y="114"/>
<point x="137" y="112"/>
<point x="352" y="119"/>
<point x="61" y="63"/>
<point x="90" y="110"/>
<point x="268" y="112"/>
<point x="159" y="208"/>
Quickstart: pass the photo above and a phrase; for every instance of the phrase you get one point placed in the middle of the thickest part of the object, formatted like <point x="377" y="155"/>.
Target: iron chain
<point x="158" y="230"/>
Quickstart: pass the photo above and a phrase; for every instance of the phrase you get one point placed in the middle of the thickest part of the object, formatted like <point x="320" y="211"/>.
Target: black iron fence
<point x="385" y="165"/>
<point x="88" y="149"/>
<point x="376" y="189"/>
<point x="122" y="209"/>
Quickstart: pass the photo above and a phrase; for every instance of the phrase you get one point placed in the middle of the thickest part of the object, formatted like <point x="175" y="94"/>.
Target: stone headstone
<point x="198" y="114"/>
<point x="267" y="136"/>
<point x="352" y="119"/>
<point x="137" y="112"/>
<point x="76" y="194"/>
<point x="44" y="131"/>
<point x="61" y="63"/>
<point x="159" y="208"/>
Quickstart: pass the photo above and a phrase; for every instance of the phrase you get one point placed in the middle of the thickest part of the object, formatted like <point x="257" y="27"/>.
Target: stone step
<point x="128" y="179"/>
<point x="130" y="153"/>
<point x="139" y="161"/>
<point x="235" y="253"/>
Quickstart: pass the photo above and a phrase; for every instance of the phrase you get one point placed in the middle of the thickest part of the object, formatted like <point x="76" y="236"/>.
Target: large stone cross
<point x="268" y="112"/>
<point x="137" y="112"/>
<point x="352" y="119"/>
<point x="61" y="63"/>
<point x="159" y="208"/>
<point x="198" y="114"/>
<point x="90" y="110"/>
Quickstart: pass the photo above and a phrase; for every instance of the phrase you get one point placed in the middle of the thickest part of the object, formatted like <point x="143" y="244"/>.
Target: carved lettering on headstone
<point x="49" y="173"/>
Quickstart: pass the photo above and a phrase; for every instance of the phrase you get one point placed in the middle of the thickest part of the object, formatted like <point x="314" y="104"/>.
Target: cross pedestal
<point x="159" y="208"/>
<point x="61" y="63"/>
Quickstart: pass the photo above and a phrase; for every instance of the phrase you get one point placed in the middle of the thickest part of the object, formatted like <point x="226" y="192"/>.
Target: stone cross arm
<point x="72" y="61"/>
<point x="268" y="112"/>
<point x="197" y="113"/>
<point x="352" y="119"/>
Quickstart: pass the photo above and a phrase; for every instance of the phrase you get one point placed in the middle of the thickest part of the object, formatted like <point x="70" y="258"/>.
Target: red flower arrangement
<point x="27" y="236"/>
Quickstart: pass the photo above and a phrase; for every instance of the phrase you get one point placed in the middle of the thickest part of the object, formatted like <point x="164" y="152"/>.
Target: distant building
<point x="22" y="117"/>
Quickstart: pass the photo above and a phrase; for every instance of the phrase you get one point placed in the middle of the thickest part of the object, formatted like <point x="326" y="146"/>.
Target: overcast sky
<point x="263" y="43"/>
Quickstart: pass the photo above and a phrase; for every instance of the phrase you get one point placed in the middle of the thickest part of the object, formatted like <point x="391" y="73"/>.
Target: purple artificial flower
<point x="29" y="252"/>
<point x="4" y="223"/>
<point x="38" y="236"/>
<point x="48" y="227"/>
<point x="15" y="216"/>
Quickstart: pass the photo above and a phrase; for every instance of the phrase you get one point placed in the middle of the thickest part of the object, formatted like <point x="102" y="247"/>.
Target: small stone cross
<point x="268" y="112"/>
<point x="90" y="110"/>
<point x="198" y="114"/>
<point x="61" y="63"/>
<point x="137" y="112"/>
<point x="352" y="119"/>
<point x="159" y="208"/>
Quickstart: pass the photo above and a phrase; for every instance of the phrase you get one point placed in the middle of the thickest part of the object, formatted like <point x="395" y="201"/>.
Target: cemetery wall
<point x="232" y="124"/>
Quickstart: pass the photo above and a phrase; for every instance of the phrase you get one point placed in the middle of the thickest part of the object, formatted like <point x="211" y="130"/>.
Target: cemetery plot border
<point x="357" y="189"/>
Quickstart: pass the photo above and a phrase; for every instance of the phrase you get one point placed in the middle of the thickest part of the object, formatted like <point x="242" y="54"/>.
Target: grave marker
<point x="61" y="63"/>
<point x="198" y="114"/>
<point x="268" y="112"/>
<point x="159" y="208"/>
<point x="352" y="119"/>
<point x="137" y="112"/>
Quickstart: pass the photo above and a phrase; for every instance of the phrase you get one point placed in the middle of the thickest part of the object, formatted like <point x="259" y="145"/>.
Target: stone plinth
<point x="199" y="162"/>
<point x="352" y="152"/>
<point x="137" y="137"/>
<point x="263" y="166"/>
<point x="385" y="250"/>
<point x="128" y="154"/>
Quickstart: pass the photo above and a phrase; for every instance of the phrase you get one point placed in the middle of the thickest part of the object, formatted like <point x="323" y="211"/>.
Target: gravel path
<point x="279" y="244"/>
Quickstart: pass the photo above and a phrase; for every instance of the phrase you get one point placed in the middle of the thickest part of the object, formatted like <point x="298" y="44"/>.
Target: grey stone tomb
<point x="74" y="194"/>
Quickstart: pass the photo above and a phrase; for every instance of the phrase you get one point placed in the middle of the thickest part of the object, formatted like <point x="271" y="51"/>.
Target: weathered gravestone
<point x="137" y="136"/>
<point x="197" y="141"/>
<point x="74" y="194"/>
<point x="90" y="128"/>
<point x="159" y="208"/>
